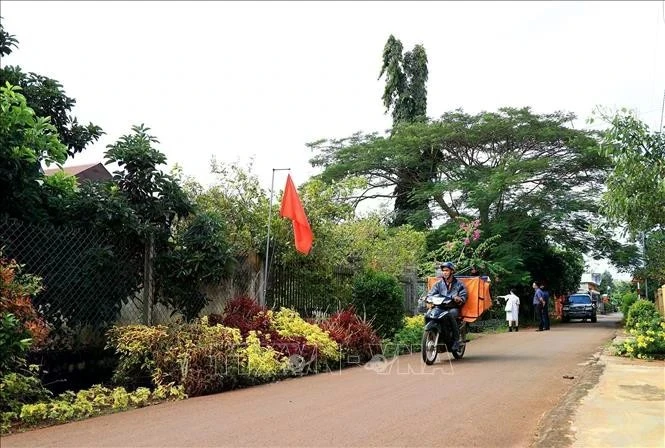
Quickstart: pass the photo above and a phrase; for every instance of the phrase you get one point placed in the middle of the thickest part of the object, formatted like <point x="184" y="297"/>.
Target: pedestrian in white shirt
<point x="512" y="310"/>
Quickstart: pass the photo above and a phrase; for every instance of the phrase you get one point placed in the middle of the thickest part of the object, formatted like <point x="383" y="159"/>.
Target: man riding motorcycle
<point x="449" y="286"/>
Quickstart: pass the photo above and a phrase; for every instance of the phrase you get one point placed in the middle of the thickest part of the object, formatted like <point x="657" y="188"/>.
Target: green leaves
<point x="479" y="165"/>
<point x="156" y="197"/>
<point x="25" y="142"/>
<point x="636" y="187"/>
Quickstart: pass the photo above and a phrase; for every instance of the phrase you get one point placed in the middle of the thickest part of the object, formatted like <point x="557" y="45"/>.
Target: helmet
<point x="448" y="265"/>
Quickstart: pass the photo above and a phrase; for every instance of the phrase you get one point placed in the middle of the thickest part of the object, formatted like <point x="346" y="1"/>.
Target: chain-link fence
<point x="87" y="279"/>
<point x="90" y="280"/>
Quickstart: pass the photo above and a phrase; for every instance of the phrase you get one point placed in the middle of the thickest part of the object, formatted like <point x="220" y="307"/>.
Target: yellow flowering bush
<point x="647" y="331"/>
<point x="289" y="324"/>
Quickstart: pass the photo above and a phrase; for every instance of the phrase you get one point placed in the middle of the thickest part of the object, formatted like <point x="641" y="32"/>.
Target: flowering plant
<point x="466" y="250"/>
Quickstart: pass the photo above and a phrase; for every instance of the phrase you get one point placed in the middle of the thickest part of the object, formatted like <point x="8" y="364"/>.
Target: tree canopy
<point x="635" y="193"/>
<point x="481" y="165"/>
<point x="405" y="95"/>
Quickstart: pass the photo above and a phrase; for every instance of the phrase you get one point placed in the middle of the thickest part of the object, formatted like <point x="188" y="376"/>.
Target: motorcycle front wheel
<point x="429" y="347"/>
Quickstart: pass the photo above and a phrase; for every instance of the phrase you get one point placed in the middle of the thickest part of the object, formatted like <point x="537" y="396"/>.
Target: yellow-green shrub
<point x="94" y="401"/>
<point x="647" y="328"/>
<point x="289" y="323"/>
<point x="408" y="338"/>
<point x="136" y="346"/>
<point x="202" y="358"/>
<point x="262" y="362"/>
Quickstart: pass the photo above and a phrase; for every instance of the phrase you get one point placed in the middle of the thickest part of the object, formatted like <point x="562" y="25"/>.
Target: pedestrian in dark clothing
<point x="545" y="317"/>
<point x="540" y="304"/>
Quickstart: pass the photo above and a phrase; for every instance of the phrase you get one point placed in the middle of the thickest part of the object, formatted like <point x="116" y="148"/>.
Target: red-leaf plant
<point x="356" y="337"/>
<point x="246" y="315"/>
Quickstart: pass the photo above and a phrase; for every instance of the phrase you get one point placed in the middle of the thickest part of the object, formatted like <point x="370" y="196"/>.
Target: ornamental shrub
<point x="289" y="324"/>
<point x="377" y="297"/>
<point x="647" y="330"/>
<point x="642" y="315"/>
<point x="356" y="338"/>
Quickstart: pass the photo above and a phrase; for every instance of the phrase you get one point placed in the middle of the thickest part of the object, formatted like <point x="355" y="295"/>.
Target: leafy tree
<point x="155" y="201"/>
<point x="239" y="200"/>
<point x="200" y="257"/>
<point x="655" y="257"/>
<point x="651" y="271"/>
<point x="622" y="287"/>
<point x="406" y="94"/>
<point x="406" y="77"/>
<point x="606" y="283"/>
<point x="565" y="271"/>
<point x="155" y="197"/>
<point x="484" y="165"/>
<point x="141" y="205"/>
<point x="26" y="141"/>
<point x="368" y="244"/>
<point x="636" y="187"/>
<point x="47" y="98"/>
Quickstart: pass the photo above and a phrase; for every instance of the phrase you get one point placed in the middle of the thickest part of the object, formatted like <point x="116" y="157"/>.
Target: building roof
<point x="91" y="171"/>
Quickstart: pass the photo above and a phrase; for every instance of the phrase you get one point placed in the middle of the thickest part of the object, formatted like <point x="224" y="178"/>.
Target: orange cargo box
<point x="478" y="296"/>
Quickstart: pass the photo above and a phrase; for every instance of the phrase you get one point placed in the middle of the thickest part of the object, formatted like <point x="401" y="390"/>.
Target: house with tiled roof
<point x="93" y="172"/>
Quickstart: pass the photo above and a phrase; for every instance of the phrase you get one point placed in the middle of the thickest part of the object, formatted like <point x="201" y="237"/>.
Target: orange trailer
<point x="478" y="296"/>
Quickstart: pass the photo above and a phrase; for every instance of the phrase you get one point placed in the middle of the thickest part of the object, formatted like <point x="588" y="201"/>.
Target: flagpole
<point x="265" y="275"/>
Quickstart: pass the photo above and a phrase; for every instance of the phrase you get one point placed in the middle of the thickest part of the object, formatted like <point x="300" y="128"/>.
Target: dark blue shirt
<point x="537" y="296"/>
<point x="457" y="288"/>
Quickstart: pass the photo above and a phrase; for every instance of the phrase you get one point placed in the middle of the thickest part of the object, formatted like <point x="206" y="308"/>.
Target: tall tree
<point x="405" y="95"/>
<point x="482" y="165"/>
<point x="636" y="186"/>
<point x="486" y="165"/>
<point x="606" y="283"/>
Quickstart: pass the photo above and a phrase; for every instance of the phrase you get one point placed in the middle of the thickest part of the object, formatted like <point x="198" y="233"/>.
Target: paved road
<point x="499" y="395"/>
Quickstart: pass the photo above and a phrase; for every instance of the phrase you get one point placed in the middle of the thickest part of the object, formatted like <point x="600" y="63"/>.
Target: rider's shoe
<point x="455" y="346"/>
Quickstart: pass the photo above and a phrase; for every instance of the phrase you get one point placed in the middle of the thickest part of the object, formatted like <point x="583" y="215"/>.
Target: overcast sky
<point x="237" y="80"/>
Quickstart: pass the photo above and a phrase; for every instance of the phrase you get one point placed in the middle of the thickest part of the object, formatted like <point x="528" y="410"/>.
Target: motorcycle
<point x="438" y="335"/>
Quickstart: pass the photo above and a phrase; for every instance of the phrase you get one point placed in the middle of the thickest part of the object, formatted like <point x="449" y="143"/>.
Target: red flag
<point x="292" y="208"/>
